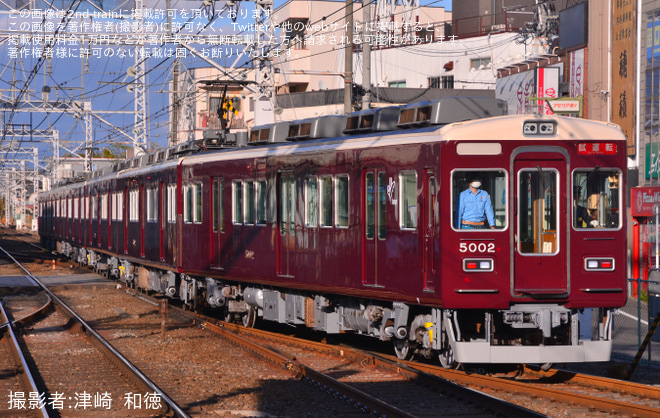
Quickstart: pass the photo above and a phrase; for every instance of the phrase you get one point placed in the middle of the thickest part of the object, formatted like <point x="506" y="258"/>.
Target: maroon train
<point x="356" y="231"/>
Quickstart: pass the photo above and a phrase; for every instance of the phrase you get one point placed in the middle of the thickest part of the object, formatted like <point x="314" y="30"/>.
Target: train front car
<point x="534" y="280"/>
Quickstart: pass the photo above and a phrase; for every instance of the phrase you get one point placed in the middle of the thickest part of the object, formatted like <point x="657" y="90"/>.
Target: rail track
<point x="554" y="392"/>
<point x="72" y="368"/>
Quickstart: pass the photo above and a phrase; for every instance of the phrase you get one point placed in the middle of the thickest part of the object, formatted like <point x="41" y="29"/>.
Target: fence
<point x="632" y="323"/>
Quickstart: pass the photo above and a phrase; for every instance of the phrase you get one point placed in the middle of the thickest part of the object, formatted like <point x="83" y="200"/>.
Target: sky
<point x="103" y="77"/>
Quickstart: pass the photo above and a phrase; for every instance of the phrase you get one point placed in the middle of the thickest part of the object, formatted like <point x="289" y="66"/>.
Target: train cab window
<point x="538" y="211"/>
<point x="312" y="202"/>
<point x="261" y="202"/>
<point x="408" y="199"/>
<point x="596" y="198"/>
<point x="341" y="201"/>
<point x="249" y="202"/>
<point x="326" y="201"/>
<point x="237" y="203"/>
<point x="479" y="199"/>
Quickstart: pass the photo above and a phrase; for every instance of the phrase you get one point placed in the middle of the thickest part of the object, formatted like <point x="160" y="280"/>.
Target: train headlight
<point x="599" y="264"/>
<point x="478" y="265"/>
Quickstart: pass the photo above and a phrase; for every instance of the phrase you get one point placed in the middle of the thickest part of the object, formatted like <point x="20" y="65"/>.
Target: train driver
<point x="474" y="207"/>
<point x="582" y="218"/>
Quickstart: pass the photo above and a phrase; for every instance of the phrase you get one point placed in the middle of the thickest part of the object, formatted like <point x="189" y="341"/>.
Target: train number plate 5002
<point x="476" y="247"/>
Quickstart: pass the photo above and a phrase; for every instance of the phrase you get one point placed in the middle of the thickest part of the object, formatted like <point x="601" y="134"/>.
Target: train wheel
<point x="402" y="349"/>
<point x="446" y="355"/>
<point x="250" y="317"/>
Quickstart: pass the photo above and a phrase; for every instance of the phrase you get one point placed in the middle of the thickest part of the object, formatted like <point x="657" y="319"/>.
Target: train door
<point x="125" y="208"/>
<point x="540" y="267"/>
<point x="374" y="231"/>
<point x="142" y="218"/>
<point x="218" y="236"/>
<point x="286" y="238"/>
<point x="162" y="220"/>
<point x="430" y="229"/>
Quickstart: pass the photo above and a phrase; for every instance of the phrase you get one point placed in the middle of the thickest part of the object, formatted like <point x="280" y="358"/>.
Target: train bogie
<point x="370" y="233"/>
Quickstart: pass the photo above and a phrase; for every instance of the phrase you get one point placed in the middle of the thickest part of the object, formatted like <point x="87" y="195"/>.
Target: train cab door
<point x="286" y="236"/>
<point x="431" y="234"/>
<point x="540" y="266"/>
<point x="374" y="231"/>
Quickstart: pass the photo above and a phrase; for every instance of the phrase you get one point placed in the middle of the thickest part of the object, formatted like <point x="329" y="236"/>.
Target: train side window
<point x="341" y="201"/>
<point x="113" y="207"/>
<point x="312" y="199"/>
<point x="152" y="204"/>
<point x="198" y="203"/>
<point x="217" y="211"/>
<point x="382" y="205"/>
<point x="120" y="206"/>
<point x="492" y="187"/>
<point x="596" y="198"/>
<point x="171" y="203"/>
<point x="327" y="194"/>
<point x="237" y="203"/>
<point x="261" y="202"/>
<point x="134" y="205"/>
<point x="408" y="200"/>
<point x="370" y="190"/>
<point x="249" y="202"/>
<point x="104" y="207"/>
<point x="95" y="207"/>
<point x="188" y="193"/>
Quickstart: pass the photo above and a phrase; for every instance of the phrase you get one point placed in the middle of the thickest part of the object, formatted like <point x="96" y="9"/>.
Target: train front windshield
<point x="596" y="198"/>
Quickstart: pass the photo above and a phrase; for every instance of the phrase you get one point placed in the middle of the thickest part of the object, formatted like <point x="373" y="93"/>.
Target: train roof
<point x="447" y="119"/>
<point x="530" y="127"/>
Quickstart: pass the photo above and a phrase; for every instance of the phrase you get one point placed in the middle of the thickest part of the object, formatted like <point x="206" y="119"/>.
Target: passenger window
<point x="312" y="196"/>
<point x="249" y="202"/>
<point x="408" y="199"/>
<point x="596" y="198"/>
<point x="261" y="202"/>
<point x="327" y="194"/>
<point x="479" y="199"/>
<point x="198" y="204"/>
<point x="341" y="201"/>
<point x="238" y="203"/>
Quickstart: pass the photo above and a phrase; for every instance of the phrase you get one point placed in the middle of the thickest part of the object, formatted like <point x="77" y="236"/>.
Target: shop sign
<point x="644" y="199"/>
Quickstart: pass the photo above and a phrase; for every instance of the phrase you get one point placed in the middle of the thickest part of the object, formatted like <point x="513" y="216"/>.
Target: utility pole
<point x="174" y="139"/>
<point x="140" y="127"/>
<point x="348" y="59"/>
<point x="366" y="53"/>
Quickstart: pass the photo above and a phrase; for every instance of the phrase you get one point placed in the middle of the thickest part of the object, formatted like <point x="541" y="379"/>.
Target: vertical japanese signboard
<point x="547" y="85"/>
<point x="624" y="20"/>
<point x="576" y="82"/>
